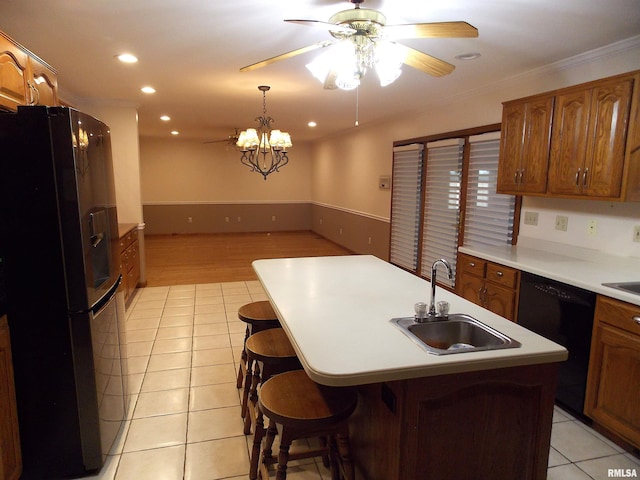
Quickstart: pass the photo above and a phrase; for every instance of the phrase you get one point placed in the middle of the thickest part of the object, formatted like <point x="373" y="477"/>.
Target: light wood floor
<point x="225" y="257"/>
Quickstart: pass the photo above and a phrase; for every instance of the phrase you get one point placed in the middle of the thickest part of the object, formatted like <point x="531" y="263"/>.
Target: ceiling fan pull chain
<point x="357" y="105"/>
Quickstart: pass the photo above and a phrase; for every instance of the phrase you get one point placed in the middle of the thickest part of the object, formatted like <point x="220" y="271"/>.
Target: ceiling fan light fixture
<point x="389" y="58"/>
<point x="338" y="66"/>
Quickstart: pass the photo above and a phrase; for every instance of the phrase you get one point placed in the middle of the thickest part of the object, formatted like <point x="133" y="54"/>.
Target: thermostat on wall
<point x="384" y="183"/>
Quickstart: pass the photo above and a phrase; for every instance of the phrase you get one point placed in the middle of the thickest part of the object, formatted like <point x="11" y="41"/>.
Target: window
<point x="433" y="194"/>
<point x="442" y="204"/>
<point x="405" y="206"/>
<point x="489" y="215"/>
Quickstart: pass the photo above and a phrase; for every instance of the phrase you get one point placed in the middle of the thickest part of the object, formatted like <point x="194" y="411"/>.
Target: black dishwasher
<point x="564" y="314"/>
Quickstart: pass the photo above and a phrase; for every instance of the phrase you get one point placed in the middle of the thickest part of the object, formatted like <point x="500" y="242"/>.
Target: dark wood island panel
<point x="490" y="424"/>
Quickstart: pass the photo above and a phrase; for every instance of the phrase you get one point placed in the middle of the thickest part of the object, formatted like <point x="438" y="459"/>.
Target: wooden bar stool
<point x="258" y="316"/>
<point x="297" y="407"/>
<point x="272" y="349"/>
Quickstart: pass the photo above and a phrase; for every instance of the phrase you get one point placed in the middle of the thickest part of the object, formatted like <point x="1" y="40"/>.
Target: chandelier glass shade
<point x="264" y="150"/>
<point x="344" y="64"/>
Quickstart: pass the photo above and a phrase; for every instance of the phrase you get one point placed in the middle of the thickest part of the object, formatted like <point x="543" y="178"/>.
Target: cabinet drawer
<point x="619" y="314"/>
<point x="502" y="275"/>
<point x="473" y="265"/>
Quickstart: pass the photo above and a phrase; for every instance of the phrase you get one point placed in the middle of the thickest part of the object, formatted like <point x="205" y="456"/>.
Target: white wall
<point x="346" y="167"/>
<point x="175" y="171"/>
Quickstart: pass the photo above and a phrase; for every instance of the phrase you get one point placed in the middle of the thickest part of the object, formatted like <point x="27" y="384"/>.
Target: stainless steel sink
<point x="631" y="287"/>
<point x="460" y="333"/>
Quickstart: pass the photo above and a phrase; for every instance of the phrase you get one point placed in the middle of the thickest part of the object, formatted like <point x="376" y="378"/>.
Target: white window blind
<point x="489" y="216"/>
<point x="442" y="205"/>
<point x="405" y="205"/>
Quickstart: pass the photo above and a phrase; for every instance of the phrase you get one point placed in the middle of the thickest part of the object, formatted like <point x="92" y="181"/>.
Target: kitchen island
<point x="420" y="416"/>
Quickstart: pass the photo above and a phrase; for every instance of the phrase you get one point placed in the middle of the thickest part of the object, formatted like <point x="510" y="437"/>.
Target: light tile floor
<point x="183" y="345"/>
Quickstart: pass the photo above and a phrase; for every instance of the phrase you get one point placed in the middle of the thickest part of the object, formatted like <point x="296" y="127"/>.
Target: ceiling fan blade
<point x="426" y="63"/>
<point x="431" y="30"/>
<point x="332" y="27"/>
<point x="290" y="54"/>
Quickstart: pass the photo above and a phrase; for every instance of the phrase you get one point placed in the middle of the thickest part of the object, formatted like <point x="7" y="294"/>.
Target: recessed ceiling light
<point x="312" y="124"/>
<point x="148" y="90"/>
<point x="165" y="118"/>
<point x="127" y="58"/>
<point x="468" y="56"/>
<point x="175" y="132"/>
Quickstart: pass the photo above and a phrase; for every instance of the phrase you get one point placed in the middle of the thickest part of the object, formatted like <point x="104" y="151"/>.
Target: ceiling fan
<point x="364" y="33"/>
<point x="230" y="140"/>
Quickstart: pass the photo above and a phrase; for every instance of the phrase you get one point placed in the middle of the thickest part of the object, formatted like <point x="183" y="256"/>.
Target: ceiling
<point x="191" y="51"/>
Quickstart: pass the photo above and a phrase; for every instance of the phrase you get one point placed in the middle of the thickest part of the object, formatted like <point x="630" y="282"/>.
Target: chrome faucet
<point x="431" y="315"/>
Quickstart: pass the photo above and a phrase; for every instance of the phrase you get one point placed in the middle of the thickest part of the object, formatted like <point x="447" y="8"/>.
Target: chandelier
<point x="264" y="150"/>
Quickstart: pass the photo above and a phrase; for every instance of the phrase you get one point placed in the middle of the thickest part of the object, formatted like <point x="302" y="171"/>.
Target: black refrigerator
<point x="59" y="244"/>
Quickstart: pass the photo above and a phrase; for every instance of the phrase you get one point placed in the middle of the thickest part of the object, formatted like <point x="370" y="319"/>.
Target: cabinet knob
<point x="472" y="264"/>
<point x="636" y="319"/>
<point x="500" y="274"/>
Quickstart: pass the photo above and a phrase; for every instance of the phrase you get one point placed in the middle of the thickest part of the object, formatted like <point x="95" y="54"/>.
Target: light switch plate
<point x="384" y="182"/>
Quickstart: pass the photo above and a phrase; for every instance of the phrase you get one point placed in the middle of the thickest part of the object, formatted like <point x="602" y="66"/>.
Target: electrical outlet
<point x="636" y="233"/>
<point x="592" y="228"/>
<point x="531" y="218"/>
<point x="190" y="219"/>
<point x="273" y="218"/>
<point x="561" y="223"/>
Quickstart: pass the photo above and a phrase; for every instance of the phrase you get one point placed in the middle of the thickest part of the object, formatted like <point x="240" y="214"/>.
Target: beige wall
<point x="176" y="171"/>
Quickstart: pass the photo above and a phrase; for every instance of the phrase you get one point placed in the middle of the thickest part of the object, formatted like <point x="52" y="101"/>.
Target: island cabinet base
<point x="490" y="424"/>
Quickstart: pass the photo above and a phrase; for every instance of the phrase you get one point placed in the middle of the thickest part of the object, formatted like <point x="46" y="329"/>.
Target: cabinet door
<point x="511" y="145"/>
<point x="614" y="382"/>
<point x="43" y="83"/>
<point x="569" y="143"/>
<point x="524" y="148"/>
<point x="471" y="288"/>
<point x="500" y="300"/>
<point x="535" y="154"/>
<point x="608" y="119"/>
<point x="13" y="76"/>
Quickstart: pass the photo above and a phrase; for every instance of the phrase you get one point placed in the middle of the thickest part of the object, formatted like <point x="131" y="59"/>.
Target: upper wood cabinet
<point x="524" y="149"/>
<point x="13" y="75"/>
<point x="589" y="138"/>
<point x="577" y="142"/>
<point x="24" y="78"/>
<point x="42" y="82"/>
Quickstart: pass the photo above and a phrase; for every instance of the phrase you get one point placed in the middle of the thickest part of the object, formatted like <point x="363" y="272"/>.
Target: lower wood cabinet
<point x="10" y="456"/>
<point x="613" y="386"/>
<point x="130" y="263"/>
<point x="489" y="424"/>
<point x="490" y="285"/>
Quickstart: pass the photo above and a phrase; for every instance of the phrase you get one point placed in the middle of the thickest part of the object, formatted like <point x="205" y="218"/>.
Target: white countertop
<point x="575" y="266"/>
<point x="337" y="311"/>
